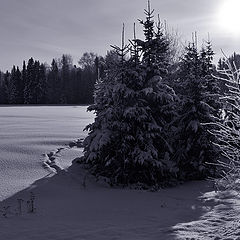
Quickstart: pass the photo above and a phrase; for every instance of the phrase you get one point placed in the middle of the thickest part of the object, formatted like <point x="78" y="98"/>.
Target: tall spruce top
<point x="148" y="23"/>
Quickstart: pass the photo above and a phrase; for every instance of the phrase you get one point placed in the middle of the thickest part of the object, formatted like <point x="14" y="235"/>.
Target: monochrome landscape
<point x="134" y="138"/>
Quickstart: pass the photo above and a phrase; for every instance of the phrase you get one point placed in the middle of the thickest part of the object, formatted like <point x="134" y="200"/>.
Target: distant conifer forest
<point x="60" y="83"/>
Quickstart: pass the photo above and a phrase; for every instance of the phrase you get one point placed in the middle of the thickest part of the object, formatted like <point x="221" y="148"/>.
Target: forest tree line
<point x="60" y="83"/>
<point x="65" y="83"/>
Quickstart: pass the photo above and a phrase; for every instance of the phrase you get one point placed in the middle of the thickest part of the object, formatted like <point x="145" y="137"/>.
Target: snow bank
<point x="220" y="221"/>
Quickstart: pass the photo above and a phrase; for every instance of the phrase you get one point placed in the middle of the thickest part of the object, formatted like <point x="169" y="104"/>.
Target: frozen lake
<point x="28" y="132"/>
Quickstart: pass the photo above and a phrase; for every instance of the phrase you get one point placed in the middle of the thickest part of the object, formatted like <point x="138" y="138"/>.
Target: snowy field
<point x="26" y="133"/>
<point x="71" y="205"/>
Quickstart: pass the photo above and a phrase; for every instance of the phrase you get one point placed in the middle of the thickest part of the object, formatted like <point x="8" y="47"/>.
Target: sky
<point x="47" y="29"/>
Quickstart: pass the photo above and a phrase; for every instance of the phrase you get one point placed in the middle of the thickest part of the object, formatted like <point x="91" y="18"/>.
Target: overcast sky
<point x="45" y="29"/>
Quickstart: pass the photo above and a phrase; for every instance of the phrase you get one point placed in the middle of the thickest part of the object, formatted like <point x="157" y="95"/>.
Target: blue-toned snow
<point x="71" y="205"/>
<point x="28" y="132"/>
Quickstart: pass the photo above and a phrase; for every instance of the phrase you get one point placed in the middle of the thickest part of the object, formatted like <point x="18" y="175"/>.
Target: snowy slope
<point x="65" y="209"/>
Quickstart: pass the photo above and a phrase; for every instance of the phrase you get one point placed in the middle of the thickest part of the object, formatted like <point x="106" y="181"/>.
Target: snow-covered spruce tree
<point x="13" y="87"/>
<point x="228" y="130"/>
<point x="127" y="143"/>
<point x="5" y="88"/>
<point x="212" y="85"/>
<point x="155" y="62"/>
<point x="41" y="87"/>
<point x="194" y="144"/>
<point x="53" y="83"/>
<point x="30" y="76"/>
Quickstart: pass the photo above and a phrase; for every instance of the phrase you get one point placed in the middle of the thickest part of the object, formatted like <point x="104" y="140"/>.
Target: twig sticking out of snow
<point x="30" y="207"/>
<point x="20" y="201"/>
<point x="31" y="203"/>
<point x="5" y="211"/>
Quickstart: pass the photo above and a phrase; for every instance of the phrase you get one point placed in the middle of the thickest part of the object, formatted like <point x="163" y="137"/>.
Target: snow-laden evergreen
<point x="128" y="142"/>
<point x="194" y="147"/>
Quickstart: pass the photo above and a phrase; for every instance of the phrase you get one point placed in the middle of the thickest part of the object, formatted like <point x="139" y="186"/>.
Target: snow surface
<point x="67" y="209"/>
<point x="28" y="132"/>
<point x="71" y="205"/>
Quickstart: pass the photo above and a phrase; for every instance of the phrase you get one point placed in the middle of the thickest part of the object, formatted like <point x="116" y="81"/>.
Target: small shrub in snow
<point x="20" y="201"/>
<point x="31" y="208"/>
<point x="5" y="211"/>
<point x="20" y="209"/>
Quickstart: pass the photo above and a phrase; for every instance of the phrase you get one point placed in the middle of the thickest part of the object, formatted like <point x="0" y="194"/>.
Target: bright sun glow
<point x="229" y="16"/>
